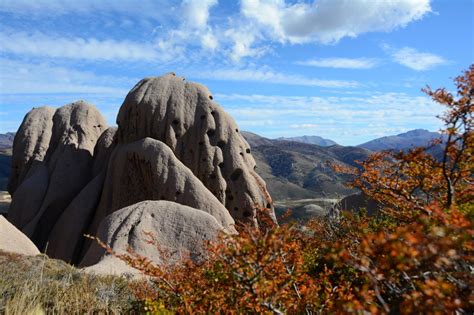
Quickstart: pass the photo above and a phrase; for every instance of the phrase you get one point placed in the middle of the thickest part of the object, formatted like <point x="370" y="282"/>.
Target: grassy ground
<point x="40" y="285"/>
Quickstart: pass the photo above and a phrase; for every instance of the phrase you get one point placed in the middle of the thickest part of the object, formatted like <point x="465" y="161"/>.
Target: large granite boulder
<point x="179" y="232"/>
<point x="56" y="172"/>
<point x="203" y="137"/>
<point x="13" y="241"/>
<point x="147" y="169"/>
<point x="66" y="239"/>
<point x="30" y="144"/>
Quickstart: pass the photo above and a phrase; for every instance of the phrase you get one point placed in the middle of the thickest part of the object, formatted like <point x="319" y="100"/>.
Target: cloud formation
<point x="27" y="78"/>
<point x="42" y="45"/>
<point x="196" y="12"/>
<point x="341" y="63"/>
<point x="152" y="9"/>
<point x="340" y="118"/>
<point x="416" y="60"/>
<point x="328" y="21"/>
<point x="251" y="32"/>
<point x="269" y="76"/>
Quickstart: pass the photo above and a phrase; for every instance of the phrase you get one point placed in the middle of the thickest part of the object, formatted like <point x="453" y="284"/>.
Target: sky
<point x="347" y="70"/>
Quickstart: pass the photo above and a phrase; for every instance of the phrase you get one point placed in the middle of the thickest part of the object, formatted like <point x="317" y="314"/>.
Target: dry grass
<point x="40" y="285"/>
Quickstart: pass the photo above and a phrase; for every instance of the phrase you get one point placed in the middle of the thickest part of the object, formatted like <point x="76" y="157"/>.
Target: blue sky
<point x="348" y="70"/>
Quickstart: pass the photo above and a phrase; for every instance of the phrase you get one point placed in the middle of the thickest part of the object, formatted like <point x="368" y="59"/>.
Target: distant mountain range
<point x="6" y="140"/>
<point x="295" y="170"/>
<point x="296" y="167"/>
<point x="310" y="140"/>
<point x="403" y="141"/>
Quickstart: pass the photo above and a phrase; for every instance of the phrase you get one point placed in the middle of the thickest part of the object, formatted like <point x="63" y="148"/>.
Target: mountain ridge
<point x="317" y="140"/>
<point x="295" y="170"/>
<point x="402" y="141"/>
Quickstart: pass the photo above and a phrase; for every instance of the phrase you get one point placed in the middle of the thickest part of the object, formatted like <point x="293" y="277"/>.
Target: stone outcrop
<point x="30" y="144"/>
<point x="55" y="168"/>
<point x="202" y="135"/>
<point x="66" y="238"/>
<point x="174" y="146"/>
<point x="179" y="231"/>
<point x="13" y="241"/>
<point x="147" y="169"/>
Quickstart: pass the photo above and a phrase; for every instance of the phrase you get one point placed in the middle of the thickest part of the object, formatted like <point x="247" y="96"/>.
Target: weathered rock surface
<point x="66" y="238"/>
<point x="147" y="169"/>
<point x="14" y="241"/>
<point x="103" y="149"/>
<point x="73" y="131"/>
<point x="206" y="139"/>
<point x="31" y="144"/>
<point x="174" y="147"/>
<point x="179" y="231"/>
<point x="29" y="196"/>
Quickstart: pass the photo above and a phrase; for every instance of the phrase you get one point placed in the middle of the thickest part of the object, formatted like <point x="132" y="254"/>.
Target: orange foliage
<point x="406" y="182"/>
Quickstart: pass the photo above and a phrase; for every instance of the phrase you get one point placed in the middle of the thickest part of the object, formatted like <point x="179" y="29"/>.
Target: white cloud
<point x="266" y="75"/>
<point x="242" y="40"/>
<point x="413" y="59"/>
<point x="38" y="44"/>
<point x="188" y="30"/>
<point x="26" y="78"/>
<point x="303" y="126"/>
<point x="341" y="63"/>
<point x="341" y="118"/>
<point x="262" y="22"/>
<point x="209" y="41"/>
<point x="328" y="21"/>
<point x="35" y="8"/>
<point x="193" y="30"/>
<point x="248" y="123"/>
<point x="196" y="12"/>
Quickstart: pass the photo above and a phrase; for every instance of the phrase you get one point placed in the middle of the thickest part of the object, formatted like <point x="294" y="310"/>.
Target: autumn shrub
<point x="414" y="256"/>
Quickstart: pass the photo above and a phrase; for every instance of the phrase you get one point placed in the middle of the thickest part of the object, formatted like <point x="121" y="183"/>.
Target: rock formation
<point x="52" y="162"/>
<point x="147" y="169"/>
<point x="30" y="144"/>
<point x="13" y="241"/>
<point x="71" y="173"/>
<point x="206" y="139"/>
<point x="180" y="231"/>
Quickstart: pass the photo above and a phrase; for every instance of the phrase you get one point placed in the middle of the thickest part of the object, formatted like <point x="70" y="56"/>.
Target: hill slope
<point x="6" y="140"/>
<point x="403" y="141"/>
<point x="294" y="170"/>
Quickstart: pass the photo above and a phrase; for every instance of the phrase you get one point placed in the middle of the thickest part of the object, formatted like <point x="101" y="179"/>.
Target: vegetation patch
<point x="38" y="284"/>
